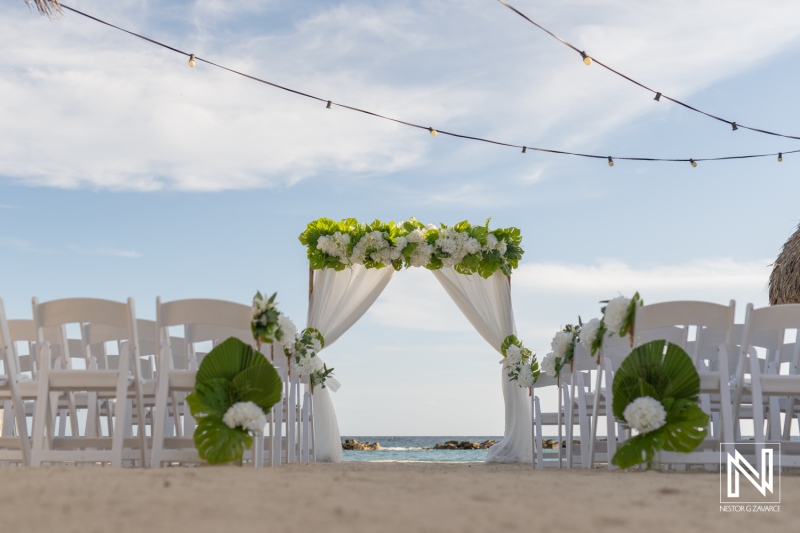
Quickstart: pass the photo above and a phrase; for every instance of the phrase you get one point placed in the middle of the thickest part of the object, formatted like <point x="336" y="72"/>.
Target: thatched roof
<point x="49" y="8"/>
<point x="784" y="282"/>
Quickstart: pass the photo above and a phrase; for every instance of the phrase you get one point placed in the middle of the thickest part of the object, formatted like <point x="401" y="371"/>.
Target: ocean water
<point x="416" y="449"/>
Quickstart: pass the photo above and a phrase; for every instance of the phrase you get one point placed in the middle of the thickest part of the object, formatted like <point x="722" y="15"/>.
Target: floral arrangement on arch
<point x="466" y="248"/>
<point x="521" y="362"/>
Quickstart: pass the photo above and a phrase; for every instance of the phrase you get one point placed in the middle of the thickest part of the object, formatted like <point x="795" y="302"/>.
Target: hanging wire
<point x="431" y="130"/>
<point x="734" y="125"/>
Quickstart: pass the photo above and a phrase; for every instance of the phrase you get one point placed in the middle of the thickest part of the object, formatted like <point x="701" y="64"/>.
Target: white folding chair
<point x="64" y="379"/>
<point x="13" y="391"/>
<point x="774" y="384"/>
<point x="706" y="331"/>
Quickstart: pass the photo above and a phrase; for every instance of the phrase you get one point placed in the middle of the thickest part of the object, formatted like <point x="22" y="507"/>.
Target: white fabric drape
<point x="339" y="300"/>
<point x="487" y="305"/>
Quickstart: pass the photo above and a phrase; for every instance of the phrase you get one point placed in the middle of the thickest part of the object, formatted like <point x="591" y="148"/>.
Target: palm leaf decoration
<point x="665" y="372"/>
<point x="232" y="372"/>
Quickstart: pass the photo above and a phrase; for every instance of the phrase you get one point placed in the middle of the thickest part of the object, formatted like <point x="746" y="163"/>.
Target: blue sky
<point x="123" y="172"/>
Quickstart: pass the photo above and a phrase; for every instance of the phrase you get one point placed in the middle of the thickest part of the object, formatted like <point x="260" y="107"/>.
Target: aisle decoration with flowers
<point x="563" y="346"/>
<point x="619" y="315"/>
<point x="521" y="363"/>
<point x="592" y="335"/>
<point x="235" y="387"/>
<point x="302" y="354"/>
<point x="466" y="248"/>
<point x="656" y="394"/>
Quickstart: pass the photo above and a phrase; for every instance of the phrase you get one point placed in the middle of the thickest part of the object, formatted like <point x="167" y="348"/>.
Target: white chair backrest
<point x="767" y="328"/>
<point x="203" y="320"/>
<point x="712" y="325"/>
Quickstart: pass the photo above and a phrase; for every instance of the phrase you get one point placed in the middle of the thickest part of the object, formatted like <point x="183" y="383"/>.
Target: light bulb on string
<point x="433" y="131"/>
<point x="610" y="161"/>
<point x="191" y="60"/>
<point x="734" y="127"/>
<point x="586" y="59"/>
<point x="693" y="162"/>
<point x="780" y="157"/>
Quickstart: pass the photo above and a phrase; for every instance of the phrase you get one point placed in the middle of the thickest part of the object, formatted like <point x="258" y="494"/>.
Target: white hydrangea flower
<point x="429" y="227"/>
<point x="615" y="313"/>
<point x="491" y="242"/>
<point x="548" y="365"/>
<point x="645" y="414"/>
<point x="421" y="255"/>
<point x="307" y="363"/>
<point x="316" y="344"/>
<point x="513" y="355"/>
<point x="288" y="328"/>
<point x="589" y="332"/>
<point x="561" y="342"/>
<point x="472" y="246"/>
<point x="246" y="415"/>
<point x="501" y="247"/>
<point x="416" y="236"/>
<point x="525" y="377"/>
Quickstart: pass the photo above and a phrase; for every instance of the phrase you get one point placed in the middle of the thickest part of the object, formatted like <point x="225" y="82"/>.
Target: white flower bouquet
<point x="520" y="361"/>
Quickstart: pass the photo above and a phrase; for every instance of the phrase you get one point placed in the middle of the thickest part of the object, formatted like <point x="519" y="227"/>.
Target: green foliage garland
<point x="467" y="248"/>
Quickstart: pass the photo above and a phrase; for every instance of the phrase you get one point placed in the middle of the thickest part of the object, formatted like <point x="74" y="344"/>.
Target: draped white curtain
<point x="339" y="300"/>
<point x="487" y="305"/>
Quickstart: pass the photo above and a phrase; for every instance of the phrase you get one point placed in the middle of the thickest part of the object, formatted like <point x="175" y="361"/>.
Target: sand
<point x="374" y="497"/>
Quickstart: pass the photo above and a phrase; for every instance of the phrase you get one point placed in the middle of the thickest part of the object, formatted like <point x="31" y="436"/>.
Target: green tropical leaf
<point x="686" y="425"/>
<point x="684" y="381"/>
<point x="639" y="449"/>
<point x="214" y="396"/>
<point x="217" y="443"/>
<point x="228" y="359"/>
<point x="259" y="384"/>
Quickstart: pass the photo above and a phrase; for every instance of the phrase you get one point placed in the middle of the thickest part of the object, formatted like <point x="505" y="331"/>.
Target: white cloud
<point x="110" y="111"/>
<point x="111" y="252"/>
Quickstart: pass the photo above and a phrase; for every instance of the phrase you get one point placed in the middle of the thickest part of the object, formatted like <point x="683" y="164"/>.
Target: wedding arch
<point x="351" y="263"/>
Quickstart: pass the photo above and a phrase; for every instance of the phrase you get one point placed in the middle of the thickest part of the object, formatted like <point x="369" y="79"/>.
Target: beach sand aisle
<point x="374" y="497"/>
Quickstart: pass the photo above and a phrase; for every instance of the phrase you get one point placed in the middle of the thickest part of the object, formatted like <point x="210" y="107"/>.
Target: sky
<point x="123" y="172"/>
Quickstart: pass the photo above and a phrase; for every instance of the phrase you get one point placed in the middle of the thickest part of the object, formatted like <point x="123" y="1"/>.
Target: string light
<point x="588" y="60"/>
<point x="432" y="131"/>
<point x="733" y="126"/>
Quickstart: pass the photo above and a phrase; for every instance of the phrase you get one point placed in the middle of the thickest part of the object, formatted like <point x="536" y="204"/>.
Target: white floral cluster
<point x="421" y="255"/>
<point x="246" y="415"/>
<point x="493" y="244"/>
<point x="335" y="245"/>
<point x="561" y="343"/>
<point x="265" y="320"/>
<point x="457" y="245"/>
<point x="550" y="365"/>
<point x="302" y="354"/>
<point x="616" y="312"/>
<point x="521" y="363"/>
<point x="645" y="414"/>
<point x="288" y="330"/>
<point x="589" y="333"/>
